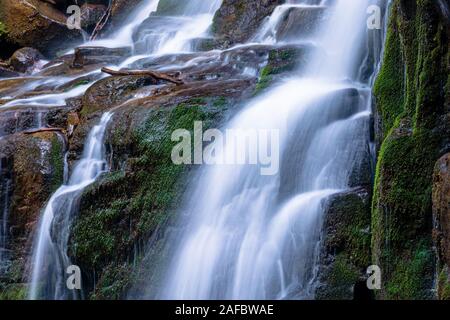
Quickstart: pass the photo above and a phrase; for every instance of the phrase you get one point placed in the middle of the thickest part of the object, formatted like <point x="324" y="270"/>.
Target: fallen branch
<point x="101" y="24"/>
<point x="32" y="131"/>
<point x="145" y="73"/>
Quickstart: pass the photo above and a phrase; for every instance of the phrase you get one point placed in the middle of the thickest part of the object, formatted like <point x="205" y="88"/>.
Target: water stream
<point x="50" y="261"/>
<point x="247" y="236"/>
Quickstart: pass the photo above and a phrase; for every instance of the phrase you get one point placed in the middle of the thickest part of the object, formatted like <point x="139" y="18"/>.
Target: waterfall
<point x="5" y="189"/>
<point x="124" y="36"/>
<point x="243" y="235"/>
<point x="50" y="261"/>
<point x="173" y="32"/>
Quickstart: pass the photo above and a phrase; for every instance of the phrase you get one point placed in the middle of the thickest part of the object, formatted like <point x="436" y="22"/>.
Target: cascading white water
<point x="247" y="236"/>
<point x="174" y="34"/>
<point x="5" y="188"/>
<point x="124" y="36"/>
<point x="50" y="260"/>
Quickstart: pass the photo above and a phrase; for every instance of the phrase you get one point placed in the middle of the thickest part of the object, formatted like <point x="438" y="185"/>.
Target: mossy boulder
<point x="345" y="254"/>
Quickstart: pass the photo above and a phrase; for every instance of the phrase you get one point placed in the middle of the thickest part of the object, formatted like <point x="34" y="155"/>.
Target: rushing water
<point x="248" y="236"/>
<point x="50" y="260"/>
<point x="5" y="189"/>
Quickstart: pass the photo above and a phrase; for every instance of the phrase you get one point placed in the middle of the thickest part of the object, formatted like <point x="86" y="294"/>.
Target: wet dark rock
<point x="10" y="86"/>
<point x="300" y="23"/>
<point x="120" y="13"/>
<point x="139" y="139"/>
<point x="236" y="21"/>
<point x="91" y="15"/>
<point x="8" y="73"/>
<point x="170" y="7"/>
<point x="15" y="121"/>
<point x="23" y="60"/>
<point x="281" y="61"/>
<point x="96" y="55"/>
<point x="112" y="91"/>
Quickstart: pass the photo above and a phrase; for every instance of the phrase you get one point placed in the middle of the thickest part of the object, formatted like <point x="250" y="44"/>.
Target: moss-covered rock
<point x="281" y="61"/>
<point x="346" y="245"/>
<point x="125" y="207"/>
<point x="410" y="106"/>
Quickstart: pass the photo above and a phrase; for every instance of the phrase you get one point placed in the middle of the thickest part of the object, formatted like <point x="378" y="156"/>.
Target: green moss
<point x="57" y="162"/>
<point x="409" y="274"/>
<point x="349" y="217"/>
<point x="2" y="29"/>
<point x="444" y="284"/>
<point x="113" y="283"/>
<point x="401" y="210"/>
<point x="265" y="79"/>
<point x="340" y="280"/>
<point x="280" y="61"/>
<point x="13" y="292"/>
<point x="389" y="84"/>
<point x="96" y="231"/>
<point x="346" y="240"/>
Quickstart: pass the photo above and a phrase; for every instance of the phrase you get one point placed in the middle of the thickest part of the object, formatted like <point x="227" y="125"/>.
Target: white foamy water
<point x="50" y="261"/>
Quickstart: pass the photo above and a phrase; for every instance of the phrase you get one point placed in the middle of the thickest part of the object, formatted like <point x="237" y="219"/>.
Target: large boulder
<point x="236" y="21"/>
<point x="37" y="24"/>
<point x="91" y="15"/>
<point x="23" y="60"/>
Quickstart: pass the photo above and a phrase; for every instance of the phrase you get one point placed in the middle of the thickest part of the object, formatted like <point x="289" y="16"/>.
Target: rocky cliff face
<point x="412" y="108"/>
<point x="441" y="225"/>
<point x="35" y="166"/>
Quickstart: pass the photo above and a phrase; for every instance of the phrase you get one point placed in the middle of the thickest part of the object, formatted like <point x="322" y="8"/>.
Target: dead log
<point x="144" y="73"/>
<point x="32" y="131"/>
<point x="101" y="24"/>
